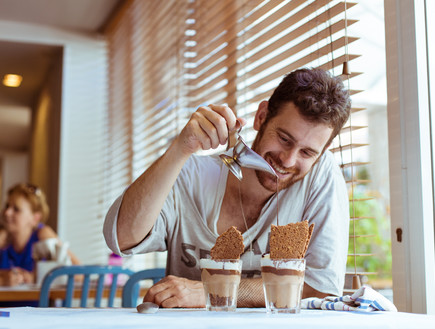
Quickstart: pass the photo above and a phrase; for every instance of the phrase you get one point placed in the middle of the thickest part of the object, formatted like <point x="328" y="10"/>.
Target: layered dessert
<point x="283" y="282"/>
<point x="283" y="270"/>
<point x="220" y="275"/>
<point x="221" y="279"/>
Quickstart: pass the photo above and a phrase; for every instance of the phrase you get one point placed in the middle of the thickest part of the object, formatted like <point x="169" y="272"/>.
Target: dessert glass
<point x="221" y="279"/>
<point x="283" y="282"/>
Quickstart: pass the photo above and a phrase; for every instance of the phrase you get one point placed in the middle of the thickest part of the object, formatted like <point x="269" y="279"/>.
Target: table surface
<point x="128" y="318"/>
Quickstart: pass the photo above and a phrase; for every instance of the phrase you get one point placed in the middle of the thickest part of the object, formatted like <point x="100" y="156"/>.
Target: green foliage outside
<point x="376" y="224"/>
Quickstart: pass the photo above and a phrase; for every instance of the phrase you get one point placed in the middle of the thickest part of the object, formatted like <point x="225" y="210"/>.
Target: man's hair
<point x="319" y="97"/>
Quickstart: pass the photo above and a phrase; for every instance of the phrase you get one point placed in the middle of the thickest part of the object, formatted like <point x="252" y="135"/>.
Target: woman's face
<point x="18" y="215"/>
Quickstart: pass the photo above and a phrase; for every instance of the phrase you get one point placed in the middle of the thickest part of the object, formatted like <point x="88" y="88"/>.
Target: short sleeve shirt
<point x="187" y="224"/>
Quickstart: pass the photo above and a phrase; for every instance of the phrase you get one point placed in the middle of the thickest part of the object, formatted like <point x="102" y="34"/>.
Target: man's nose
<point x="289" y="158"/>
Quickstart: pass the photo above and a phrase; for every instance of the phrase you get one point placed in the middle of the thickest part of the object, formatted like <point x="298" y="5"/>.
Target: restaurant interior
<point x="108" y="84"/>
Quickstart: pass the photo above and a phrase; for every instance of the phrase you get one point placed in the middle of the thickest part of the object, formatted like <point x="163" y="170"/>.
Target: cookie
<point x="310" y="232"/>
<point x="290" y="241"/>
<point x="229" y="245"/>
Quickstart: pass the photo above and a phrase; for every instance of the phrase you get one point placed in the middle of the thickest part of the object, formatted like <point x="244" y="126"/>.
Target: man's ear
<point x="261" y="114"/>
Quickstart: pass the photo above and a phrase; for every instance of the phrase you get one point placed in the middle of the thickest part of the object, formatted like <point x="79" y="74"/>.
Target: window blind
<point x="169" y="57"/>
<point x="120" y="131"/>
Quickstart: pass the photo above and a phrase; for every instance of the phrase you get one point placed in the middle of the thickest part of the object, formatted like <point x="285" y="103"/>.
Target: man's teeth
<point x="282" y="172"/>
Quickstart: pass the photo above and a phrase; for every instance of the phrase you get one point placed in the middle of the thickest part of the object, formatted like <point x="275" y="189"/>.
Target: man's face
<point x="289" y="143"/>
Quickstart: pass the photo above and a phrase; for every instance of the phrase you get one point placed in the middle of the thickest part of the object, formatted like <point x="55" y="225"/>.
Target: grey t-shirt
<point x="186" y="227"/>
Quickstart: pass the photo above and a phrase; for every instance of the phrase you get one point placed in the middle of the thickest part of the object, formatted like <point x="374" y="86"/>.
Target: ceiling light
<point x="12" y="80"/>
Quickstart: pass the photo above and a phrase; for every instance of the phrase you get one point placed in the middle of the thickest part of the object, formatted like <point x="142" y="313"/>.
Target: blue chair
<point x="86" y="271"/>
<point x="130" y="292"/>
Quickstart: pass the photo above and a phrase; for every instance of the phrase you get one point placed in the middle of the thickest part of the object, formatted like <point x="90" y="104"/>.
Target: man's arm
<point x="142" y="202"/>
<point x="144" y="199"/>
<point x="311" y="292"/>
<point x="251" y="293"/>
<point x="173" y="291"/>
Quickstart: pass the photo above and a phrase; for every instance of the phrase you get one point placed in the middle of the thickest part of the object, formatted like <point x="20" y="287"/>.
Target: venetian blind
<point x="120" y="131"/>
<point x="169" y="57"/>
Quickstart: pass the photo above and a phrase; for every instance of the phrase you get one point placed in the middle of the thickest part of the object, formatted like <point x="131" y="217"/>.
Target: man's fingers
<point x="171" y="302"/>
<point x="209" y="127"/>
<point x="173" y="291"/>
<point x="154" y="290"/>
<point x="225" y="112"/>
<point x="167" y="298"/>
<point x="232" y="123"/>
<point x="210" y="132"/>
<point x="214" y="125"/>
<point x="240" y="122"/>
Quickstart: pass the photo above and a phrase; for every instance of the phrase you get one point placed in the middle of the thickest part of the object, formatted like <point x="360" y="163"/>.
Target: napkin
<point x="44" y="249"/>
<point x="49" y="254"/>
<point x="365" y="299"/>
<point x="51" y="250"/>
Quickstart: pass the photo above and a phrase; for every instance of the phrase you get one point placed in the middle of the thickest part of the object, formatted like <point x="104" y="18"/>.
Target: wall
<point x="13" y="162"/>
<point x="82" y="139"/>
<point x="45" y="138"/>
<point x="14" y="169"/>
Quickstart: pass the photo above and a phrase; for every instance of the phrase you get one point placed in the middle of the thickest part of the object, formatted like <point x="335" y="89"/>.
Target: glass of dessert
<point x="221" y="279"/>
<point x="283" y="270"/>
<point x="221" y="274"/>
<point x="283" y="282"/>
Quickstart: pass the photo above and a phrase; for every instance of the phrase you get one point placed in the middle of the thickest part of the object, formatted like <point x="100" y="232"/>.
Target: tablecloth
<point x="127" y="318"/>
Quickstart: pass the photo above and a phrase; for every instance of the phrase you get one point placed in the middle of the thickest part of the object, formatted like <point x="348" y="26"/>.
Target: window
<point x="409" y="59"/>
<point x="167" y="58"/>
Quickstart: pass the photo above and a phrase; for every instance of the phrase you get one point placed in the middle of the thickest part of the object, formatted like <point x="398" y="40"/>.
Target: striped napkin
<point x="365" y="299"/>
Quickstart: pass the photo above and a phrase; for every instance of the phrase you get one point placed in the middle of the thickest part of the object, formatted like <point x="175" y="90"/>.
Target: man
<point x="183" y="201"/>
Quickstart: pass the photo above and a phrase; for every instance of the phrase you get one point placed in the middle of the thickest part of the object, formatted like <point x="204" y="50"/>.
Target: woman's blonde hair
<point x="34" y="195"/>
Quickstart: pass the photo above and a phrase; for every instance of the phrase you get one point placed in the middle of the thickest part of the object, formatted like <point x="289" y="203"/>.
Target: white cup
<point x="43" y="267"/>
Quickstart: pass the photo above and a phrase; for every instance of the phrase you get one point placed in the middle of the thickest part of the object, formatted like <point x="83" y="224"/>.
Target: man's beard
<point x="267" y="180"/>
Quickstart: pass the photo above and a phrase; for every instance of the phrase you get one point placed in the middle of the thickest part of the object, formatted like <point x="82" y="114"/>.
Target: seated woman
<point x="23" y="217"/>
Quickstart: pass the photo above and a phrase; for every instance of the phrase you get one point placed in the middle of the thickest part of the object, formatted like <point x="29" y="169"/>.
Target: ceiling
<point x="33" y="60"/>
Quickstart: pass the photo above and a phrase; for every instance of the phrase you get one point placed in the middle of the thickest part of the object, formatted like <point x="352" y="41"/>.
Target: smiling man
<point x="183" y="201"/>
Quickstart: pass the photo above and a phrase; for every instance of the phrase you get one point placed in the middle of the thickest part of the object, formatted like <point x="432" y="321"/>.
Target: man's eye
<point x="284" y="139"/>
<point x="306" y="153"/>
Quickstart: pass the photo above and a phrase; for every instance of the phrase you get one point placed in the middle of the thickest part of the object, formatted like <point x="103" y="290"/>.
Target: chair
<point x="86" y="271"/>
<point x="131" y="288"/>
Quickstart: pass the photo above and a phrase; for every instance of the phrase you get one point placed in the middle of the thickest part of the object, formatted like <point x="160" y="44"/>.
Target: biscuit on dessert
<point x="291" y="240"/>
<point x="310" y="232"/>
<point x="229" y="245"/>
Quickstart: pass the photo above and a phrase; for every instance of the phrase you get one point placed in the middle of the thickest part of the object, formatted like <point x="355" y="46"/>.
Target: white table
<point x="65" y="318"/>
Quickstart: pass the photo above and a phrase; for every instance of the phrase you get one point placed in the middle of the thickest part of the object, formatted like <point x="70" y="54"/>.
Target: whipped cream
<point x="221" y="264"/>
<point x="290" y="264"/>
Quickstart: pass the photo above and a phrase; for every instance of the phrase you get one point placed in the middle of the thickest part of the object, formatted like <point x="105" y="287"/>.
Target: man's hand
<point x="309" y="291"/>
<point x="208" y="128"/>
<point x="173" y="291"/>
